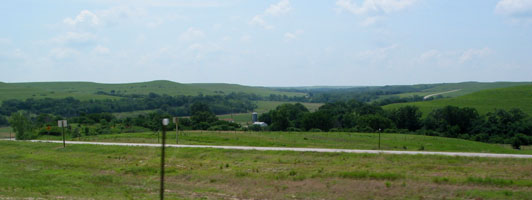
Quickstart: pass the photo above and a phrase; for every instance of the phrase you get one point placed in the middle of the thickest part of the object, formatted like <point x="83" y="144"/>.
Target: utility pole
<point x="165" y="123"/>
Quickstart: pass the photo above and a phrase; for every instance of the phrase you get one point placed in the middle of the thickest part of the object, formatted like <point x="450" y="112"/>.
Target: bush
<point x="21" y="124"/>
<point x="54" y="130"/>
<point x="315" y="130"/>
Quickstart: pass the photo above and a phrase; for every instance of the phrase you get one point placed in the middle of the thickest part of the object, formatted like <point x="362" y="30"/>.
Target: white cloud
<point x="513" y="7"/>
<point x="258" y="20"/>
<point x="112" y="15"/>
<point x="374" y="10"/>
<point x="517" y="11"/>
<point x="245" y="38"/>
<point x="84" y="16"/>
<point x="74" y="38"/>
<point x="475" y="53"/>
<point x="430" y="55"/>
<point x="62" y="52"/>
<point x="375" y="55"/>
<point x="192" y="34"/>
<point x="449" y="58"/>
<point x="279" y="8"/>
<point x="101" y="50"/>
<point x="292" y="35"/>
<point x="276" y="10"/>
<point x="4" y="41"/>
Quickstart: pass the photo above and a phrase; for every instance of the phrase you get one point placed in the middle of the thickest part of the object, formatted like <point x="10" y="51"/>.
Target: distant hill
<point x="459" y="89"/>
<point x="90" y="90"/>
<point x="24" y="91"/>
<point x="484" y="101"/>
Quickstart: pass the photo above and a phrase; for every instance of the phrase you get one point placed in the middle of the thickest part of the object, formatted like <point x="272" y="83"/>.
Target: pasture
<point x="43" y="170"/>
<point x="484" y="101"/>
<point x="337" y="140"/>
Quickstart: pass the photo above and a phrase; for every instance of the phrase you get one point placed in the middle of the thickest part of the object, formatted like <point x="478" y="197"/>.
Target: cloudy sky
<point x="267" y="43"/>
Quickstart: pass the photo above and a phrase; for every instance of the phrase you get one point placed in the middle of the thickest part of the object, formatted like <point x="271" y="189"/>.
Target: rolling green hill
<point x="460" y="89"/>
<point x="226" y="88"/>
<point x="89" y="90"/>
<point x="484" y="101"/>
<point x="25" y="91"/>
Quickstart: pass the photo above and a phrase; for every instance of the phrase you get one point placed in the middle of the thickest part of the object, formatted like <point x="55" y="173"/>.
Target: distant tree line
<point x="500" y="126"/>
<point x="177" y="105"/>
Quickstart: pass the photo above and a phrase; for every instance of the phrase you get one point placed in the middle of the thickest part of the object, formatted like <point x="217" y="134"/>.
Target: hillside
<point x="484" y="101"/>
<point x="460" y="89"/>
<point x="89" y="90"/>
<point x="25" y="91"/>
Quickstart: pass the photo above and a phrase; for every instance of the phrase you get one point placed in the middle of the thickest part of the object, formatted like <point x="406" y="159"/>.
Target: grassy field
<point x="464" y="88"/>
<point x="484" y="101"/>
<point x="40" y="170"/>
<point x="87" y="90"/>
<point x="318" y="140"/>
<point x="14" y="91"/>
<point x="6" y="132"/>
<point x="265" y="106"/>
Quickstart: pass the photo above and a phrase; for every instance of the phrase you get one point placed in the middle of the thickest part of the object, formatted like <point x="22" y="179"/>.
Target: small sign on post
<point x="63" y="124"/>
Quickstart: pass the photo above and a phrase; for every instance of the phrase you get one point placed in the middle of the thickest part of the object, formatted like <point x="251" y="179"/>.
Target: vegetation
<point x="110" y="172"/>
<point x="335" y="140"/>
<point x="89" y="90"/>
<point x="21" y="124"/>
<point x="484" y="101"/>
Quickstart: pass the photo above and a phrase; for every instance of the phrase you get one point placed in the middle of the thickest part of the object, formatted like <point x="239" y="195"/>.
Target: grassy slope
<point x="464" y="88"/>
<point x="39" y="170"/>
<point x="228" y="88"/>
<point x="316" y="140"/>
<point x="485" y="101"/>
<point x="23" y="91"/>
<point x="158" y="87"/>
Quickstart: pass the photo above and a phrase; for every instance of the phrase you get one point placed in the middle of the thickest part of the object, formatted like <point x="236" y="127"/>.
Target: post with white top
<point x="165" y="123"/>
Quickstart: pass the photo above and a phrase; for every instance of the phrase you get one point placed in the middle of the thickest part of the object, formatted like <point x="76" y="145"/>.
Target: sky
<point x="266" y="43"/>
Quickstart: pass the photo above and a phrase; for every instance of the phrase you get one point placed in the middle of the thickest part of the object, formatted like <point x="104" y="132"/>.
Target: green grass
<point x="87" y="90"/>
<point x="22" y="91"/>
<point x="263" y="107"/>
<point x="6" y="132"/>
<point x="484" y="101"/>
<point x="337" y="140"/>
<point x="44" y="170"/>
<point x="464" y="88"/>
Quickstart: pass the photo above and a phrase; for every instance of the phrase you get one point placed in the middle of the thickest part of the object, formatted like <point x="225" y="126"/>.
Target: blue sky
<point x="267" y="43"/>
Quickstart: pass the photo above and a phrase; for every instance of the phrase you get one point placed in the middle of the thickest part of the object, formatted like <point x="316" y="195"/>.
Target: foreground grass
<point x="338" y="140"/>
<point x="43" y="170"/>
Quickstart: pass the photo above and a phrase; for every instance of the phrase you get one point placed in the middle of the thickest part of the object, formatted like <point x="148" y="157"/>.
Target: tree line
<point x="499" y="126"/>
<point x="176" y="105"/>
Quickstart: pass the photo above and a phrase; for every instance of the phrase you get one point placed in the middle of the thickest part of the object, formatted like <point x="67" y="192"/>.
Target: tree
<point x="374" y="122"/>
<point x="407" y="117"/>
<point x="21" y="124"/>
<point x="319" y="119"/>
